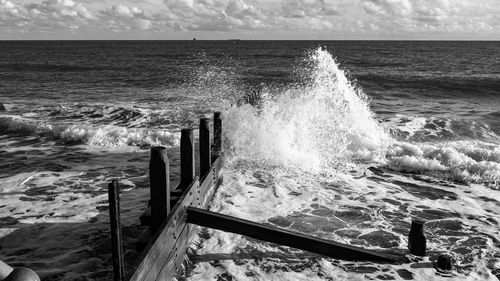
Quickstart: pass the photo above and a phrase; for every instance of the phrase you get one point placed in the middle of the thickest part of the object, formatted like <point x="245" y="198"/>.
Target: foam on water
<point x="326" y="123"/>
<point x="313" y="158"/>
<point x="54" y="204"/>
<point x="318" y="125"/>
<point x="411" y="128"/>
<point x="309" y="157"/>
<point x="463" y="161"/>
<point x="51" y="197"/>
<point x="103" y="135"/>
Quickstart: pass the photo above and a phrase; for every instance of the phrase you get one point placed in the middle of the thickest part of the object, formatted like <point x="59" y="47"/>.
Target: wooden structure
<point x="116" y="234"/>
<point x="285" y="237"/>
<point x="165" y="242"/>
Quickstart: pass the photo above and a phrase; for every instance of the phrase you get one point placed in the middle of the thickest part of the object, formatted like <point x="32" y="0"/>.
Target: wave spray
<point x="321" y="123"/>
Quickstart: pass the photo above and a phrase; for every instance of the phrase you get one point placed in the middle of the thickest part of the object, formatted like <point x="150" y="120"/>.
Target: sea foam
<point x="313" y="158"/>
<point x="316" y="125"/>
<point x="324" y="124"/>
<point x="92" y="134"/>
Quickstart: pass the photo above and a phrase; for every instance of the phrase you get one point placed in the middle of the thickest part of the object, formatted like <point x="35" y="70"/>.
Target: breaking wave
<point x="325" y="123"/>
<point x="321" y="123"/>
<point x="420" y="129"/>
<point x="102" y="135"/>
<point x="463" y="161"/>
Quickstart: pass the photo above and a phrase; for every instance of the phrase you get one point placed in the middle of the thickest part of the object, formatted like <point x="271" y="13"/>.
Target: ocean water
<point x="345" y="140"/>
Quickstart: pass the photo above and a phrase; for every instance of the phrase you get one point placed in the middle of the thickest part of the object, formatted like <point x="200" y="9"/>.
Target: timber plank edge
<point x="288" y="238"/>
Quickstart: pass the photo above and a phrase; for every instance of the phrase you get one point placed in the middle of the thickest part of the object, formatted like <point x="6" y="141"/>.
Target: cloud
<point x="123" y="18"/>
<point x="60" y="10"/>
<point x="46" y="15"/>
<point x="420" y="10"/>
<point x="9" y="9"/>
<point x="214" y="15"/>
<point x="309" y="8"/>
<point x="433" y="17"/>
<point x="124" y="11"/>
<point x="387" y="17"/>
<point x="240" y="9"/>
<point x="387" y="7"/>
<point x="180" y="4"/>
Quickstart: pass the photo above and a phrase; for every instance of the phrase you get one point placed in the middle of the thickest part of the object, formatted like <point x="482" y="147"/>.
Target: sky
<point x="250" y="19"/>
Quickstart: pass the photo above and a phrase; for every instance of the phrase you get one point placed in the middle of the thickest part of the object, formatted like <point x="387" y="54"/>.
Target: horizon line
<point x="237" y="39"/>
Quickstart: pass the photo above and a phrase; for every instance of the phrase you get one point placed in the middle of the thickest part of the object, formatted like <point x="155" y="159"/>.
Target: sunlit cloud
<point x="258" y="18"/>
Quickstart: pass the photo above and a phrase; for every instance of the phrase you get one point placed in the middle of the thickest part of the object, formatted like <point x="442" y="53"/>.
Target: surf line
<point x="175" y="214"/>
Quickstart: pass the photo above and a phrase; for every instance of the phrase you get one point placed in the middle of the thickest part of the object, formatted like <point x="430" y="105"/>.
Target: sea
<point x="344" y="140"/>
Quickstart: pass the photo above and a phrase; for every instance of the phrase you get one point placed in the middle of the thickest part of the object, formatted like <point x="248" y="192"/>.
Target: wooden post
<point x="217" y="135"/>
<point x="205" y="148"/>
<point x="416" y="239"/>
<point x="187" y="158"/>
<point x="159" y="182"/>
<point x="116" y="232"/>
<point x="445" y="262"/>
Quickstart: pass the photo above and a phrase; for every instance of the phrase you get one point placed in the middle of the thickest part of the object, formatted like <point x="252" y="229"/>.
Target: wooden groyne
<point x="174" y="214"/>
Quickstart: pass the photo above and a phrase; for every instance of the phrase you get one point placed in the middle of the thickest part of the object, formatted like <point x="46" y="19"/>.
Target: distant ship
<point x="194" y="39"/>
<point x="232" y="40"/>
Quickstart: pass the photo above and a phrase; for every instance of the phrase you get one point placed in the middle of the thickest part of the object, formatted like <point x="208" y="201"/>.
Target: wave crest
<point x="102" y="135"/>
<point x="325" y="124"/>
<point x="321" y="123"/>
<point x="464" y="161"/>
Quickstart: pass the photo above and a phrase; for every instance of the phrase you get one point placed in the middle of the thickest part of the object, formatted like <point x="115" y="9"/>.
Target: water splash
<point x="323" y="122"/>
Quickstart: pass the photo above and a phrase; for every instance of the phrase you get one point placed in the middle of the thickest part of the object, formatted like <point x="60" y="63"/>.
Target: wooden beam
<point x="211" y="179"/>
<point x="187" y="158"/>
<point x="205" y="148"/>
<point x="217" y="146"/>
<point x="173" y="266"/>
<point x="116" y="232"/>
<point x="167" y="246"/>
<point x="159" y="184"/>
<point x="285" y="237"/>
<point x="162" y="243"/>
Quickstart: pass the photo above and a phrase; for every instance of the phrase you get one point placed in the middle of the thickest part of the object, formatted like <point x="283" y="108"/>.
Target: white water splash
<point x="323" y="123"/>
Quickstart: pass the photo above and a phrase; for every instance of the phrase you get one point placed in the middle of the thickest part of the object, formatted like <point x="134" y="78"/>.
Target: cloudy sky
<point x="250" y="19"/>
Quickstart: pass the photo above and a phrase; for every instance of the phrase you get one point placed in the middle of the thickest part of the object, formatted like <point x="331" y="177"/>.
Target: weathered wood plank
<point x="210" y="179"/>
<point x="187" y="158"/>
<point x="217" y="146"/>
<point x="116" y="232"/>
<point x="174" y="261"/>
<point x="174" y="235"/>
<point x="288" y="238"/>
<point x="214" y="177"/>
<point x="159" y="185"/>
<point x="156" y="252"/>
<point x="207" y="181"/>
<point x="173" y="266"/>
<point x="205" y="148"/>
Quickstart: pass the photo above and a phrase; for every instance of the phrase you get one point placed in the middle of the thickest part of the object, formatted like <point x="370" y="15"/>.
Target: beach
<point x="343" y="140"/>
